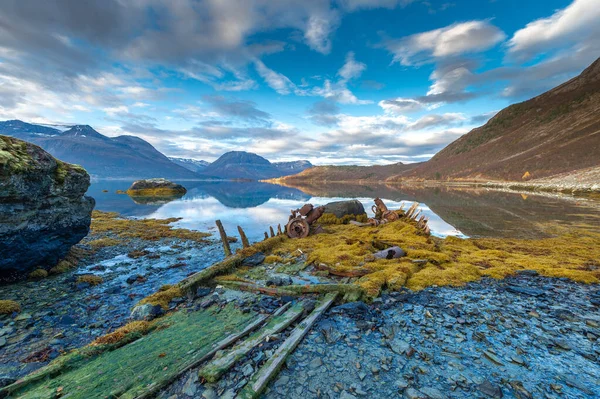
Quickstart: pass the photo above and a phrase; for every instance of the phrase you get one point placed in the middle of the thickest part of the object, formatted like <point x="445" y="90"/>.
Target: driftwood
<point x="343" y="273"/>
<point x="272" y="231"/>
<point x="351" y="291"/>
<point x="226" y="247"/>
<point x="213" y="370"/>
<point x="259" y="381"/>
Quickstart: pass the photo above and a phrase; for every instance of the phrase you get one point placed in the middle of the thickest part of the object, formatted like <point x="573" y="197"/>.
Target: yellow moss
<point x="146" y="229"/>
<point x="121" y="192"/>
<point x="103" y="242"/>
<point x="330" y="218"/>
<point x="62" y="267"/>
<point x="231" y="277"/>
<point x="90" y="279"/>
<point x="273" y="259"/>
<point x="163" y="297"/>
<point x="458" y="274"/>
<point x="8" y="307"/>
<point x="38" y="274"/>
<point x="134" y="327"/>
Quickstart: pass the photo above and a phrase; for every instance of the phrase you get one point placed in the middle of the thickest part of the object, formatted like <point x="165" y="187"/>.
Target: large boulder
<point x="343" y="208"/>
<point x="43" y="209"/>
<point x="156" y="188"/>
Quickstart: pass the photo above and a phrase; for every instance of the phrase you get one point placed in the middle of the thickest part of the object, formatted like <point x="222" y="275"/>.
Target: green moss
<point x="156" y="192"/>
<point x="8" y="307"/>
<point x="112" y="370"/>
<point x="163" y="297"/>
<point x="330" y="218"/>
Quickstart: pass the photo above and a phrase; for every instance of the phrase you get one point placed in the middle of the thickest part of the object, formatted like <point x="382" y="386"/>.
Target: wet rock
<point x="390" y="253"/>
<point x="529" y="273"/>
<point x="279" y="280"/>
<point x="146" y="312"/>
<point x="411" y="393"/>
<point x="517" y="289"/>
<point x="491" y="390"/>
<point x="43" y="209"/>
<point x="343" y="208"/>
<point x="432" y="393"/>
<point x="254" y="260"/>
<point x="351" y="308"/>
<point x="347" y="395"/>
<point x="155" y="188"/>
<point x="202" y="292"/>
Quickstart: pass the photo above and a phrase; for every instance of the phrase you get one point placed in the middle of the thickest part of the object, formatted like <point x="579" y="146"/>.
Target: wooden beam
<point x="259" y="381"/>
<point x="245" y="242"/>
<point x="214" y="369"/>
<point x="272" y="231"/>
<point x="224" y="239"/>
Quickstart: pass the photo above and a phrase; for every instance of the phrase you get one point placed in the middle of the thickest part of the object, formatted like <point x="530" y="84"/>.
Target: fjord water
<point x="451" y="211"/>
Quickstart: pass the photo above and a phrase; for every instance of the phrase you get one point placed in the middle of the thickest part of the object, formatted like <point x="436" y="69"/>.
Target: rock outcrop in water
<point x="156" y="188"/>
<point x="43" y="209"/>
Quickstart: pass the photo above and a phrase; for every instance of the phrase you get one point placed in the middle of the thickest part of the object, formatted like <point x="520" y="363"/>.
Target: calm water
<point x="256" y="206"/>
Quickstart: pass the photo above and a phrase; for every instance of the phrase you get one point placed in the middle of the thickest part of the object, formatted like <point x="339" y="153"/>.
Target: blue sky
<point x="331" y="81"/>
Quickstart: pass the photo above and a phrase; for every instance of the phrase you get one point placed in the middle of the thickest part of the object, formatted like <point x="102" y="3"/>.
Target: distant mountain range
<point x="557" y="132"/>
<point x="130" y="157"/>
<point x="194" y="165"/>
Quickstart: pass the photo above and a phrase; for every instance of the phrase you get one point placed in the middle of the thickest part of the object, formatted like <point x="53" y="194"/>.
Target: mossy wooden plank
<point x="140" y="366"/>
<point x="258" y="382"/>
<point x="213" y="370"/>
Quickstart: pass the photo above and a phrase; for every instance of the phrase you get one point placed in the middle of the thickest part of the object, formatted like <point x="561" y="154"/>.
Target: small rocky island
<point x="43" y="209"/>
<point x="142" y="190"/>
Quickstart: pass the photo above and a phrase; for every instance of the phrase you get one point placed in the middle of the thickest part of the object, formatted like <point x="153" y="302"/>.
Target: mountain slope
<point x="101" y="156"/>
<point x="553" y="133"/>
<point x="246" y="165"/>
<point x="348" y="173"/>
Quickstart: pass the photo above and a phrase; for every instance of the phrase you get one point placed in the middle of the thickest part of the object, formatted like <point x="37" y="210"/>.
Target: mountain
<point x="557" y="132"/>
<point x="190" y="164"/>
<point x="101" y="156"/>
<point x="293" y="167"/>
<point x="246" y="165"/>
<point x="347" y="173"/>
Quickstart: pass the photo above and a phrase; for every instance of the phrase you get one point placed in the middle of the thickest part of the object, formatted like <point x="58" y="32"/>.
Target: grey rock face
<point x="43" y="209"/>
<point x="390" y="253"/>
<point x="343" y="208"/>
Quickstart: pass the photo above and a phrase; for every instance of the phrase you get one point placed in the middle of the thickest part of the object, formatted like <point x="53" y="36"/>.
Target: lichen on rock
<point x="155" y="188"/>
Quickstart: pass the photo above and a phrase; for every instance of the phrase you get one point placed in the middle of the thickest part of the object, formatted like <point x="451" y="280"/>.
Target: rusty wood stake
<point x="272" y="231"/>
<point x="226" y="247"/>
<point x="245" y="242"/>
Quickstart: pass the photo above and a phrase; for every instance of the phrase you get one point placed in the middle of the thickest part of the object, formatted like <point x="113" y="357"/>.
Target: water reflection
<point x="255" y="206"/>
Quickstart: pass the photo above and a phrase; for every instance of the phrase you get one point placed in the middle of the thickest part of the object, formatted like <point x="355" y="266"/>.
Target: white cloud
<point x="353" y="5"/>
<point x="401" y="105"/>
<point x="351" y="69"/>
<point x="338" y="91"/>
<point x="277" y="81"/>
<point x="318" y="30"/>
<point x="581" y="19"/>
<point x="452" y="40"/>
<point x="121" y="109"/>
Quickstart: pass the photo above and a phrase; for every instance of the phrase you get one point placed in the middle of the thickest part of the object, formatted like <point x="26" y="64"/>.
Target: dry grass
<point x="38" y="274"/>
<point x="141" y="327"/>
<point x="103" y="243"/>
<point x="164" y="295"/>
<point x="8" y="307"/>
<point x="145" y="229"/>
<point x="90" y="279"/>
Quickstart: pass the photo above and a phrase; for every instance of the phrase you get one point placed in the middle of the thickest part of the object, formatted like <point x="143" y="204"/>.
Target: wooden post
<point x="272" y="231"/>
<point x="279" y="231"/>
<point x="266" y="236"/>
<point x="226" y="247"/>
<point x="245" y="242"/>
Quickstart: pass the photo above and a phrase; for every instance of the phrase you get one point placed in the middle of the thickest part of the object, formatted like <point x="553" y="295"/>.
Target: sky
<point x="331" y="81"/>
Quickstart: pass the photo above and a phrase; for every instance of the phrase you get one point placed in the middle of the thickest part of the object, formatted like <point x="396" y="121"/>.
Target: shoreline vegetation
<point x="336" y="265"/>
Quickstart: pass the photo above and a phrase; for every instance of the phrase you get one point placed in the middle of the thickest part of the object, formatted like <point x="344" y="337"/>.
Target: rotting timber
<point x="337" y="264"/>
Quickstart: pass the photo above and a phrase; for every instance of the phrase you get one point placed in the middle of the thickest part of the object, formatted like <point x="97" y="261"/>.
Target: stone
<point x="527" y="272"/>
<point x="315" y="363"/>
<point x="347" y="395"/>
<point x="343" y="208"/>
<point x="190" y="388"/>
<point x="390" y="253"/>
<point x="279" y="281"/>
<point x="2" y="341"/>
<point x="411" y="393"/>
<point x="517" y="289"/>
<point x="254" y="260"/>
<point x="247" y="370"/>
<point x="43" y="208"/>
<point x="491" y="390"/>
<point x="146" y="312"/>
<point x="432" y="393"/>
<point x="351" y="308"/>
<point x="209" y="394"/>
<point x="202" y="292"/>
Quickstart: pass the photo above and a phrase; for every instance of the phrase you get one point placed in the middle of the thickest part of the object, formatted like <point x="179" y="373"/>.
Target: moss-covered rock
<point x="156" y="188"/>
<point x="43" y="207"/>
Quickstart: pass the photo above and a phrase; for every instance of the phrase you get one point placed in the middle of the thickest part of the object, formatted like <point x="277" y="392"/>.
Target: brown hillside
<point x="555" y="132"/>
<point x="347" y="173"/>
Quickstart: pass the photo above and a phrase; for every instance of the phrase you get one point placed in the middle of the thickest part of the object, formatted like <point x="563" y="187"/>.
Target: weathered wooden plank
<point x="213" y="370"/>
<point x="245" y="242"/>
<point x="258" y="382"/>
<point x="226" y="247"/>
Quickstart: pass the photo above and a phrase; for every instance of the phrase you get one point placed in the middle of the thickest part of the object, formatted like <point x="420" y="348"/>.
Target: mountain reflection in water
<point x="451" y="211"/>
